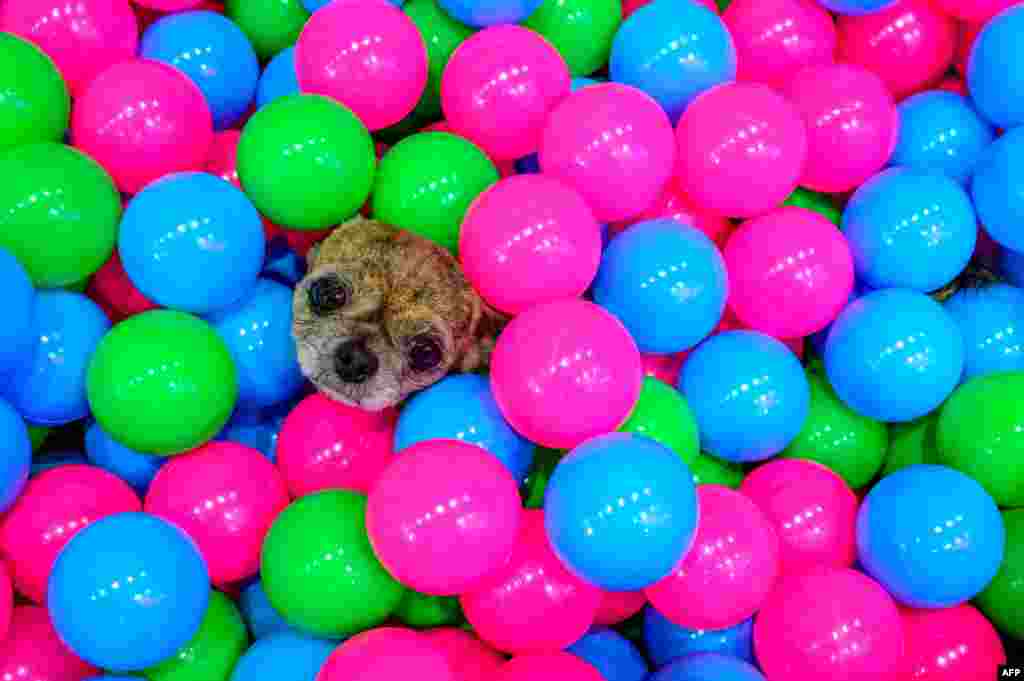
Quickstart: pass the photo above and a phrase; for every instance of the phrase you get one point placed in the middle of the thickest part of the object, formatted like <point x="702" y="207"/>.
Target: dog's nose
<point x="354" y="362"/>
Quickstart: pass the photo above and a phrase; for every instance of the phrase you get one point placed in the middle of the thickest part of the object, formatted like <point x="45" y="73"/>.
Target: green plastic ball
<point x="34" y="100"/>
<point x="270" y="25"/>
<point x="1002" y="601"/>
<point x="581" y="30"/>
<point x="421" y="611"/>
<point x="319" y="570"/>
<point x="38" y="435"/>
<point x="213" y="651"/>
<point x="306" y="162"/>
<point x="441" y="34"/>
<point x="980" y="432"/>
<point x="59" y="212"/>
<point x="162" y="382"/>
<point x="426" y="182"/>
<point x="837" y="437"/>
<point x="662" y="414"/>
<point x="911" y="443"/>
<point x="544" y="462"/>
<point x="707" y="470"/>
<point x="819" y="203"/>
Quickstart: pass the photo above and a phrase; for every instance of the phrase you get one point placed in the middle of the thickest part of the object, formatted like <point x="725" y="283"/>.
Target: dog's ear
<point x="487" y="324"/>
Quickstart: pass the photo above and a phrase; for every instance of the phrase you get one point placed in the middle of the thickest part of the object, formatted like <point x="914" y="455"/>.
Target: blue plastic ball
<point x="279" y="78"/>
<point x="941" y="132"/>
<point x="192" y="242"/>
<point x="665" y="281"/>
<point x="49" y="460"/>
<point x="462" y="407"/>
<point x="708" y="667"/>
<point x="49" y="389"/>
<point x="856" y="7"/>
<point x="995" y="73"/>
<point x="580" y="82"/>
<point x="749" y="394"/>
<point x="667" y="641"/>
<point x="673" y="51"/>
<point x="1011" y="266"/>
<point x="214" y="52"/>
<point x="135" y="468"/>
<point x="910" y="228"/>
<point x="894" y="355"/>
<point x="997" y="188"/>
<point x="283" y="657"/>
<point x="932" y="536"/>
<point x="19" y="298"/>
<point x="261" y="436"/>
<point x="482" y="13"/>
<point x="17" y="458"/>
<point x="991" y="319"/>
<point x="283" y="265"/>
<point x="141" y="576"/>
<point x="259" y="615"/>
<point x="620" y="511"/>
<point x="818" y="339"/>
<point x="611" y="654"/>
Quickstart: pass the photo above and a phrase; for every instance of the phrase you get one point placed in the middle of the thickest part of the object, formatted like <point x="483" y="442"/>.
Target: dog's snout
<point x="354" y="362"/>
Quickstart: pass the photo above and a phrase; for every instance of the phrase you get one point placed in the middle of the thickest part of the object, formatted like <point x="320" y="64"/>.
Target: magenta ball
<point x="730" y="568"/>
<point x="224" y="496"/>
<point x="564" y="372"/>
<point x="674" y="203"/>
<point x="532" y="603"/>
<point x="790" y="272"/>
<point x="852" y="124"/>
<point x="470" y="658"/>
<point x="387" y="654"/>
<point x="499" y="87"/>
<point x="529" y="239"/>
<point x="33" y="652"/>
<point x="443" y="515"/>
<point x="813" y="510"/>
<point x="951" y="644"/>
<point x="550" y="667"/>
<point x="142" y="119"/>
<point x="740" y="135"/>
<point x="614" y="144"/>
<point x="829" y="623"/>
<point x="366" y="54"/>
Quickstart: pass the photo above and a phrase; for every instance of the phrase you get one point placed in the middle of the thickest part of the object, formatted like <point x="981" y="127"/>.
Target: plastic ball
<point x="36" y="104"/>
<point x="989" y="318"/>
<point x="32" y="650"/>
<point x="260" y="616"/>
<point x="553" y="666"/>
<point x="1002" y="599"/>
<point x="192" y="242"/>
<point x="422" y="611"/>
<point x="673" y="52"/>
<point x="532" y="604"/>
<point x="279" y="78"/>
<point x="749" y="394"/>
<point x="894" y="355"/>
<point x="441" y="34"/>
<point x="708" y="667"/>
<point x="735" y="555"/>
<point x="618" y="606"/>
<point x="138" y="145"/>
<point x="55" y="194"/>
<point x="995" y="186"/>
<point x="536" y="372"/>
<point x="941" y="132"/>
<point x="136" y="377"/>
<point x="664" y="368"/>
<point x="349" y="593"/>
<point x="113" y="291"/>
<point x="285" y="657"/>
<point x="857" y="7"/>
<point x="469" y="658"/>
<point x="663" y="415"/>
<point x="426" y="183"/>
<point x="212" y="51"/>
<point x="666" y="641"/>
<point x="170" y="6"/>
<point x="581" y="30"/>
<point x="135" y="468"/>
<point x="993" y="74"/>
<point x="213" y="651"/>
<point x="527" y="240"/>
<point x="674" y="203"/>
<point x="158" y="611"/>
<point x="317" y="185"/>
<point x="499" y="88"/>
<point x="619" y="178"/>
<point x="271" y="25"/>
<point x="19" y="301"/>
<point x="934" y="516"/>
<point x="776" y="38"/>
<point x="611" y="654"/>
<point x="951" y="645"/>
<point x="479" y="14"/>
<point x="382" y="78"/>
<point x="328" y="445"/>
<point x="384" y="654"/>
<point x="844" y="149"/>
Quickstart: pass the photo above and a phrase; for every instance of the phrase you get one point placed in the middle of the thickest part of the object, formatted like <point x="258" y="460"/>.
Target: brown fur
<point x="400" y="286"/>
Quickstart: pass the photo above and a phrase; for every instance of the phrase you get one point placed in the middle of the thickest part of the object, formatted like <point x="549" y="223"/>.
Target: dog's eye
<point x="326" y="295"/>
<point x="424" y="353"/>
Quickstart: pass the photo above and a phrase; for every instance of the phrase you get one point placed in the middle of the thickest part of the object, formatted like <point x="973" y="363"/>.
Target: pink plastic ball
<point x="909" y="45"/>
<point x="499" y="87"/>
<point x="224" y="496"/>
<point x="614" y="144"/>
<point x="674" y="203"/>
<point x="564" y="372"/>
<point x="852" y="124"/>
<point x="618" y="606"/>
<point x="112" y="290"/>
<point x="665" y="368"/>
<point x="53" y="507"/>
<point x="969" y="32"/>
<point x="366" y="54"/>
<point x="82" y="37"/>
<point x="470" y="658"/>
<point x="324" y="444"/>
<point x="32" y="652"/>
<point x="951" y="644"/>
<point x="386" y="654"/>
<point x="790" y="272"/>
<point x="829" y="623"/>
<point x="443" y="515"/>
<point x="955" y="85"/>
<point x="532" y="604"/>
<point x="813" y="511"/>
<point x="550" y="667"/>
<point x="529" y="239"/>
<point x="977" y="11"/>
<point x="775" y="38"/>
<point x="740" y="135"/>
<point x="6" y="600"/>
<point x="730" y="568"/>
<point x="142" y="119"/>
